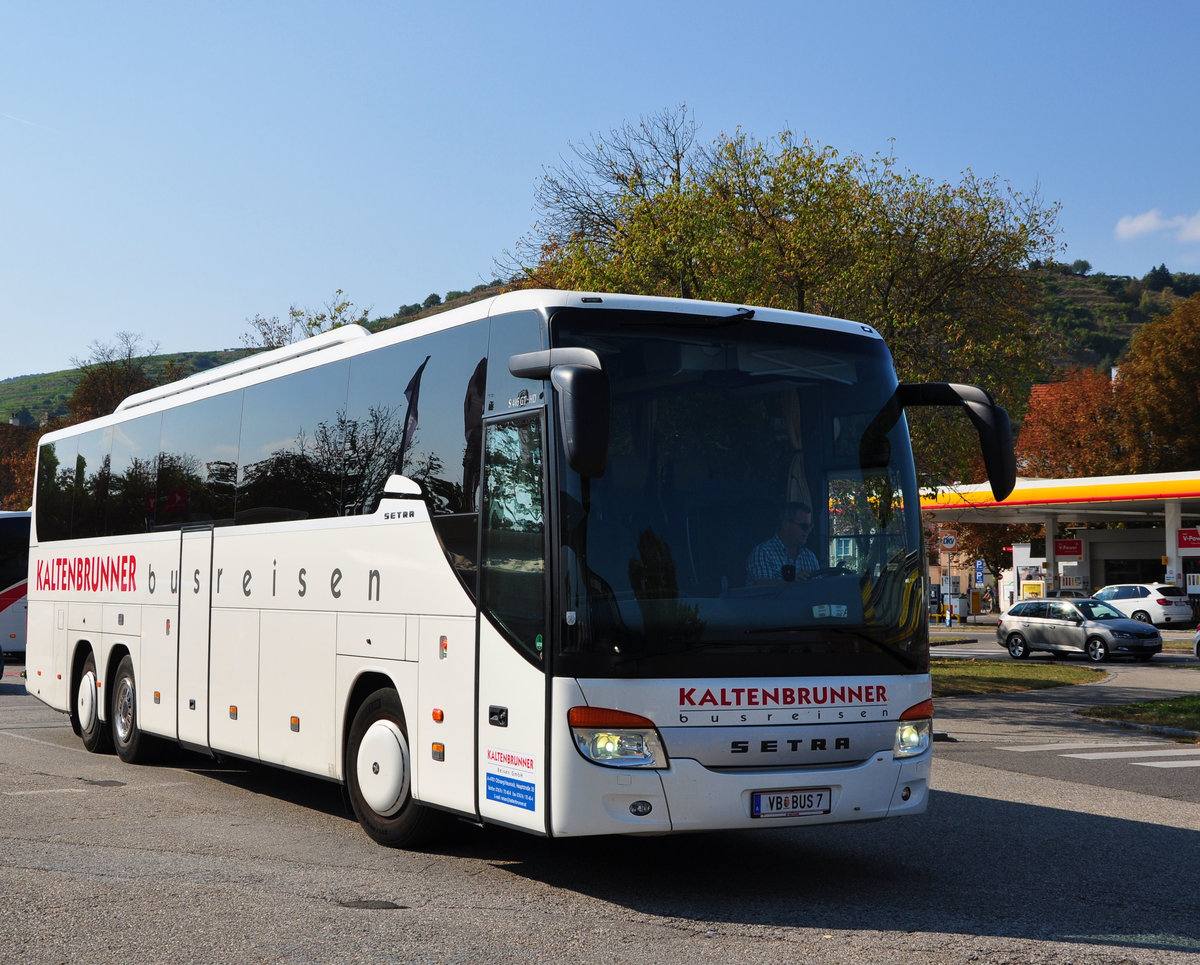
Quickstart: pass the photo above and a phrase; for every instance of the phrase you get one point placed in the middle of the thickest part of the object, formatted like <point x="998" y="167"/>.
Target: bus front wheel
<point x="94" y="731"/>
<point x="379" y="774"/>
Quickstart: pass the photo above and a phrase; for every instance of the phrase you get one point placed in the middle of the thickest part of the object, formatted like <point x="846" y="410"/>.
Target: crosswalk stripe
<point x="1115" y="755"/>
<point x="1078" y="745"/>
<point x="1195" y="763"/>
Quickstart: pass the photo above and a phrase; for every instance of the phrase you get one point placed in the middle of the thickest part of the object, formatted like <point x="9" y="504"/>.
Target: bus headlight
<point x="914" y="733"/>
<point x="615" y="738"/>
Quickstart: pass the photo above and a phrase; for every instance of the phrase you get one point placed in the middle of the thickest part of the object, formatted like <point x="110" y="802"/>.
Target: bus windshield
<point x="680" y="559"/>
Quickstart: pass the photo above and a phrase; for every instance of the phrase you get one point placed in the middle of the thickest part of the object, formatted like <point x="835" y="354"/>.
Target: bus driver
<point x="784" y="557"/>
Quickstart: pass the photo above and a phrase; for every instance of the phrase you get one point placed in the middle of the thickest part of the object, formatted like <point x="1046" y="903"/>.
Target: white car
<point x="1159" y="603"/>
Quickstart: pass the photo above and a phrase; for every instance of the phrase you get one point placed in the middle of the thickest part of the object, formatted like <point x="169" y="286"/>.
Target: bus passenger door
<point x="195" y="607"/>
<point x="511" y="715"/>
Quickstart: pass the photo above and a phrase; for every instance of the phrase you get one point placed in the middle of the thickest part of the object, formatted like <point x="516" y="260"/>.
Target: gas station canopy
<point x="1114" y="499"/>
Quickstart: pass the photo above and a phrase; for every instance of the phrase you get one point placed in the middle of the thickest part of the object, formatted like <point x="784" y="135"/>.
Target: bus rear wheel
<point x="133" y="747"/>
<point x="378" y="773"/>
<point x="95" y="733"/>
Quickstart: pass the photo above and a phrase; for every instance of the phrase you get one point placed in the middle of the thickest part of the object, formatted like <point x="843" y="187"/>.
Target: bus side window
<point x="89" y="502"/>
<point x="290" y="459"/>
<point x="197" y="469"/>
<point x="55" y="481"/>
<point x="133" y="483"/>
<point x="514" y="542"/>
<point x="512" y="334"/>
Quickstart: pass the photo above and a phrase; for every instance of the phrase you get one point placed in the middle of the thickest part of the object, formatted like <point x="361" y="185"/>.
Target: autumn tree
<point x="992" y="543"/>
<point x="1158" y="393"/>
<point x="1071" y="428"/>
<point x="112" y="372"/>
<point x="18" y="453"/>
<point x="937" y="268"/>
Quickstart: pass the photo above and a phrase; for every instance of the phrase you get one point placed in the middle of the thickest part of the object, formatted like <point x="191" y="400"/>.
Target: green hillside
<point x="45" y="396"/>
<point x="1095" y="315"/>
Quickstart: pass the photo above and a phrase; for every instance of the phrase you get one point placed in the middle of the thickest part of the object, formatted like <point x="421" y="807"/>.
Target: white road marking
<point x="1116" y="755"/>
<point x="1078" y="745"/>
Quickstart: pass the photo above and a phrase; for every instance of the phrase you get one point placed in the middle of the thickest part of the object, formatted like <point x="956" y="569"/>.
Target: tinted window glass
<point x="55" y="483"/>
<point x="14" y="550"/>
<point x="92" y="476"/>
<point x="412" y="408"/>
<point x="1171" y="591"/>
<point x="373" y="421"/>
<point x="442" y="416"/>
<point x="512" y="334"/>
<point x="198" y="467"/>
<point x="133" y="484"/>
<point x="417" y="408"/>
<point x="291" y="454"/>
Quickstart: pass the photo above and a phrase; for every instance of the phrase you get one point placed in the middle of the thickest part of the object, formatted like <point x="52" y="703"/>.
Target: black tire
<point x="132" y="746"/>
<point x="1018" y="649"/>
<point x="377" y="755"/>
<point x="96" y="736"/>
<point x="1141" y="616"/>
<point x="1097" y="650"/>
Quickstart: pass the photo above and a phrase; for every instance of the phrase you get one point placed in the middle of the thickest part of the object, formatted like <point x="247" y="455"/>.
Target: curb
<point x="1147" y="728"/>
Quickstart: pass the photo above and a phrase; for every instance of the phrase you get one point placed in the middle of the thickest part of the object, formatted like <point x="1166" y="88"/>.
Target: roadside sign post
<point x="949" y="541"/>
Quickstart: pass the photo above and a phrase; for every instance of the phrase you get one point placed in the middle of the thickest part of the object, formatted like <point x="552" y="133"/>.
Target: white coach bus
<point x="494" y="564"/>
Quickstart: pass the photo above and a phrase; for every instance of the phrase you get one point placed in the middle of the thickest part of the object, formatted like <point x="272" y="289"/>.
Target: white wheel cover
<point x="382" y="768"/>
<point x="85" y="702"/>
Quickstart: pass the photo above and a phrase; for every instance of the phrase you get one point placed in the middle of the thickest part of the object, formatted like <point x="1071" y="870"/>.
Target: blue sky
<point x="174" y="168"/>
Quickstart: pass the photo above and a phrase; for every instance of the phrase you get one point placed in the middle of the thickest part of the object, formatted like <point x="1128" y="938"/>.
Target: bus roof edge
<point x="260" y="360"/>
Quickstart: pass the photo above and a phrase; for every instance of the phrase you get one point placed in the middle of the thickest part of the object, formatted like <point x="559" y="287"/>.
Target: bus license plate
<point x="791" y="804"/>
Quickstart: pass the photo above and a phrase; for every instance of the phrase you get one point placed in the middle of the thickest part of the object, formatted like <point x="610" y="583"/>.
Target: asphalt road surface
<point x="188" y="860"/>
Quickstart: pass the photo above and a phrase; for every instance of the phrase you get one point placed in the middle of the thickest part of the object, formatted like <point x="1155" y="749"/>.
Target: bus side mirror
<point x="582" y="402"/>
<point x="990" y="420"/>
<point x="583" y="413"/>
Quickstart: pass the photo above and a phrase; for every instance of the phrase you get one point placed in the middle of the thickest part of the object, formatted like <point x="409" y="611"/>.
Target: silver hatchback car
<point x="1065" y="627"/>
